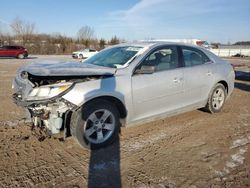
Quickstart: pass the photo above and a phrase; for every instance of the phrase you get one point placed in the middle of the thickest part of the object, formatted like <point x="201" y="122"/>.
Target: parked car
<point x="135" y="83"/>
<point x="13" y="51"/>
<point x="84" y="53"/>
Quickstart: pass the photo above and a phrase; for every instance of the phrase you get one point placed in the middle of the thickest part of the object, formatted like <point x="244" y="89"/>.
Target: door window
<point x="165" y="58"/>
<point x="192" y="57"/>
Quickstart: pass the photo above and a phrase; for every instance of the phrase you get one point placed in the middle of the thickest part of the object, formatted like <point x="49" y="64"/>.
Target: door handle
<point x="209" y="73"/>
<point x="177" y="80"/>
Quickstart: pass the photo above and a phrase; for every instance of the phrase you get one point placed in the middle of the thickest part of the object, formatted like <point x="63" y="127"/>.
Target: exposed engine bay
<point x="41" y="94"/>
<point x="53" y="112"/>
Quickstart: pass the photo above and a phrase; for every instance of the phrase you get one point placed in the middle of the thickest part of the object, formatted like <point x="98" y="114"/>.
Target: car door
<point x="1" y="51"/>
<point x="86" y="53"/>
<point x="198" y="75"/>
<point x="4" y="51"/>
<point x="12" y="50"/>
<point x="160" y="91"/>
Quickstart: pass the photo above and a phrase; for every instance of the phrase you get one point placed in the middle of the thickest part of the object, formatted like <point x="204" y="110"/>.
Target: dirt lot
<point x="195" y="149"/>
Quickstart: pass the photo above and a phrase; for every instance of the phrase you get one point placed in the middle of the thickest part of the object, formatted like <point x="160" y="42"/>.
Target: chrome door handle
<point x="177" y="80"/>
<point x="209" y="73"/>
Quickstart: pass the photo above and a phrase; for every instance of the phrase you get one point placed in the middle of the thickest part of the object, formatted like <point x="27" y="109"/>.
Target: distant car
<point x="84" y="53"/>
<point x="13" y="51"/>
<point x="135" y="83"/>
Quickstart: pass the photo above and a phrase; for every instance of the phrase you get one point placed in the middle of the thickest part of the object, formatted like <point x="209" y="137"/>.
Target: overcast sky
<point x="211" y="20"/>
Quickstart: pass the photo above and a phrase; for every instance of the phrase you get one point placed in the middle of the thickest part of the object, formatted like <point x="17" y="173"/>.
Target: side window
<point x="6" y="47"/>
<point x="165" y="58"/>
<point x="192" y="57"/>
<point x="10" y="48"/>
<point x="92" y="50"/>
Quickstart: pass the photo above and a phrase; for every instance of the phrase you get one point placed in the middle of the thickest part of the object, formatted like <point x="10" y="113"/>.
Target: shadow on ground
<point x="242" y="76"/>
<point x="32" y="57"/>
<point x="104" y="167"/>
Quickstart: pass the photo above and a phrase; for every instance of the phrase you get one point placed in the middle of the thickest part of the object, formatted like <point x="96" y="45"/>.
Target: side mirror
<point x="145" y="69"/>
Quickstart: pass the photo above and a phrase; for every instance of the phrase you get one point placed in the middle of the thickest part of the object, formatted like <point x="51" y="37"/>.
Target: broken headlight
<point x="48" y="91"/>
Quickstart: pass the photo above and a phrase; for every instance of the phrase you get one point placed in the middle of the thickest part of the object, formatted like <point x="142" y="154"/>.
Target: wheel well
<point x="224" y="83"/>
<point x="119" y="105"/>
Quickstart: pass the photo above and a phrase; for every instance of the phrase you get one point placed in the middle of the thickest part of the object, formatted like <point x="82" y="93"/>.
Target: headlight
<point x="48" y="91"/>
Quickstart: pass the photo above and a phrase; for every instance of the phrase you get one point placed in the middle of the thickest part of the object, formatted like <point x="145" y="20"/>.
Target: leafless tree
<point x="85" y="35"/>
<point x="23" y="30"/>
<point x="24" y="33"/>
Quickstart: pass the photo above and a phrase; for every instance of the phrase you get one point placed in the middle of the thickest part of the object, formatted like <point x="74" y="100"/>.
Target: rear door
<point x="1" y="51"/>
<point x="162" y="90"/>
<point x="13" y="50"/>
<point x="4" y="51"/>
<point x="198" y="75"/>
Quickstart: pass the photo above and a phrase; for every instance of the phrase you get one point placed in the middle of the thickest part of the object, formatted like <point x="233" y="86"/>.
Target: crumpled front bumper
<point x="49" y="113"/>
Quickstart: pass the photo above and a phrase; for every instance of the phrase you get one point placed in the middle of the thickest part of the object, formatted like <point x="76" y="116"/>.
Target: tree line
<point x="24" y="33"/>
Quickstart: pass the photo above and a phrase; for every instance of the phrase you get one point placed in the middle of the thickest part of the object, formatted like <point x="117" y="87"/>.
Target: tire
<point x="80" y="56"/>
<point x="93" y="130"/>
<point x="20" y="56"/>
<point x="216" y="99"/>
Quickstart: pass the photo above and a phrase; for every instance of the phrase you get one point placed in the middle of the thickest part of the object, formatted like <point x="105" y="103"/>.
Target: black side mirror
<point x="145" y="69"/>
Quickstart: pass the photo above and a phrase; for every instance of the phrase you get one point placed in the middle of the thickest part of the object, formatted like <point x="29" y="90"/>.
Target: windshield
<point x="114" y="57"/>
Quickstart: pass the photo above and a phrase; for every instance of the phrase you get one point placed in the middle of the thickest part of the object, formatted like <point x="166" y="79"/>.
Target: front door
<point x="160" y="91"/>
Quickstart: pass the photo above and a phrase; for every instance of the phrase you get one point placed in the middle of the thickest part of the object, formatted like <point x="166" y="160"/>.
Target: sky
<point x="212" y="20"/>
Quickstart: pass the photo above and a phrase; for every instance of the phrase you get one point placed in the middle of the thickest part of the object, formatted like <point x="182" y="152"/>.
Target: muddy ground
<point x="195" y="149"/>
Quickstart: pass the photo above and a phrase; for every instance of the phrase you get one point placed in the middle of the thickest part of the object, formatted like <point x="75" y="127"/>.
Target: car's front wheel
<point x="216" y="99"/>
<point x="96" y="124"/>
<point x="20" y="56"/>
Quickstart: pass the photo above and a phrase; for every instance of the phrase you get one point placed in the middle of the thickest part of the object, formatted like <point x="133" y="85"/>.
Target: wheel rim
<point x="99" y="126"/>
<point x="218" y="98"/>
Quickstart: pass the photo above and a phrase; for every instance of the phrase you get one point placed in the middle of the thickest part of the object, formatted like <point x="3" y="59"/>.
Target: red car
<point x="13" y="51"/>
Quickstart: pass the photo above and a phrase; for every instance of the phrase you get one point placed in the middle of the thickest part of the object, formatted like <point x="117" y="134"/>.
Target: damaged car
<point x="124" y="85"/>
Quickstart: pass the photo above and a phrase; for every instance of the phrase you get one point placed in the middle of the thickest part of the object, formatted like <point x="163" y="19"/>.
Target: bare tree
<point x="22" y="29"/>
<point x="85" y="33"/>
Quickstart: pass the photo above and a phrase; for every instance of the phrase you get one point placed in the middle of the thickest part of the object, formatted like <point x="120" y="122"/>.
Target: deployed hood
<point x="58" y="68"/>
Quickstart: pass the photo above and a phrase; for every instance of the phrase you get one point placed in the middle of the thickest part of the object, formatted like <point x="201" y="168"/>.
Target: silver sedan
<point x="124" y="85"/>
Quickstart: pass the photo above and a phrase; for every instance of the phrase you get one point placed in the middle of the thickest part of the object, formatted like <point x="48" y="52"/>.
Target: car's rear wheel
<point x="96" y="124"/>
<point x="216" y="99"/>
<point x="20" y="56"/>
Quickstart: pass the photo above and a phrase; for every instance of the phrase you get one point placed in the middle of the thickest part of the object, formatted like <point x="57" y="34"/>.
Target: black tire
<point x="212" y="108"/>
<point x="78" y="123"/>
<point x="80" y="56"/>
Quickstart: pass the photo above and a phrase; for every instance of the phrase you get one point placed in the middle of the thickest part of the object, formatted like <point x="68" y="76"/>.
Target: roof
<point x="155" y="43"/>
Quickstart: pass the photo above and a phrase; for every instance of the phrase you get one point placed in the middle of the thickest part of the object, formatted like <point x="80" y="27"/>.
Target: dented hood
<point x="58" y="68"/>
